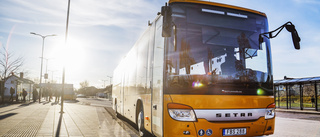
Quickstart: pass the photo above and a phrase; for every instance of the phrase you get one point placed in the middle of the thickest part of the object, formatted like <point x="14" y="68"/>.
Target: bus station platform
<point x="45" y="120"/>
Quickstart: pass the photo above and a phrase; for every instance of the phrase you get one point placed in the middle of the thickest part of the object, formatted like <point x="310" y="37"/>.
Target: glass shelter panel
<point x="282" y="96"/>
<point x="308" y="96"/>
<point x="318" y="98"/>
<point x="294" y="96"/>
<point x="276" y="96"/>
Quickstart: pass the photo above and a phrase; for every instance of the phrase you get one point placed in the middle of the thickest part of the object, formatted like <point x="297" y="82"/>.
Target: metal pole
<point x="46" y="70"/>
<point x="301" y="96"/>
<point x="52" y="75"/>
<point x="301" y="91"/>
<point x="287" y="96"/>
<point x="316" y="95"/>
<point x="63" y="73"/>
<point x="104" y="83"/>
<point x="110" y="79"/>
<point x="40" y="92"/>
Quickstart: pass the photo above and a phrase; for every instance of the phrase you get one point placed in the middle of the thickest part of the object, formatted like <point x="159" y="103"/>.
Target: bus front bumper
<point x="204" y="128"/>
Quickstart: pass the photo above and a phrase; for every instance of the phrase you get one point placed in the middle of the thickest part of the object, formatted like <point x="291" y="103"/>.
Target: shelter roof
<point x="296" y="80"/>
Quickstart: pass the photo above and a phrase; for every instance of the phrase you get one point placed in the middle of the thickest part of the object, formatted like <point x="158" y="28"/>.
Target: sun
<point x="71" y="56"/>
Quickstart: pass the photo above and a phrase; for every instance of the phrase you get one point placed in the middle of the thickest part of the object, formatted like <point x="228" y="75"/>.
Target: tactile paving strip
<point x="29" y="126"/>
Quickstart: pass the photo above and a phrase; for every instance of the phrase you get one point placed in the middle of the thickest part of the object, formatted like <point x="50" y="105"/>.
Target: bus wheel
<point x="140" y="123"/>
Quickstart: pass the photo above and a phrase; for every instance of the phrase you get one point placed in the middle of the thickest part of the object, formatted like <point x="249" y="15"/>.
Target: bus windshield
<point x="216" y="51"/>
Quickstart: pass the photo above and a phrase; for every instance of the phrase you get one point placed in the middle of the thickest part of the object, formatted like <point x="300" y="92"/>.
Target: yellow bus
<point x="200" y="69"/>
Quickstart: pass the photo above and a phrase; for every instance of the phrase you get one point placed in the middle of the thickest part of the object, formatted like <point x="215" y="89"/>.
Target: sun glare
<point x="71" y="56"/>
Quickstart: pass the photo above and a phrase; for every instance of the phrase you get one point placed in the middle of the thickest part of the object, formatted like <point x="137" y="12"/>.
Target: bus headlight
<point x="270" y="111"/>
<point x="181" y="112"/>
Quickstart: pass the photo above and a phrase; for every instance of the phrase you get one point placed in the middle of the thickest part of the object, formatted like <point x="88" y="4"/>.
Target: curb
<point x="123" y="123"/>
<point x="298" y="111"/>
<point x="111" y="112"/>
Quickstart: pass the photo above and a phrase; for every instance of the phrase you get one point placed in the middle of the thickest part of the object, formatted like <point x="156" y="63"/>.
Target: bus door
<point x="157" y="80"/>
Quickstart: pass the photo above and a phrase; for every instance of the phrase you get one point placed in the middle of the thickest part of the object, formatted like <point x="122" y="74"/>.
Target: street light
<point x="64" y="69"/>
<point x="46" y="74"/>
<point x="110" y="79"/>
<point x="43" y="37"/>
<point x="104" y="83"/>
<point x="52" y="74"/>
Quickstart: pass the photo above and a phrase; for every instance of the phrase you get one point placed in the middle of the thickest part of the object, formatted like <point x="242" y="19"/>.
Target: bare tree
<point x="8" y="65"/>
<point x="84" y="84"/>
<point x="84" y="88"/>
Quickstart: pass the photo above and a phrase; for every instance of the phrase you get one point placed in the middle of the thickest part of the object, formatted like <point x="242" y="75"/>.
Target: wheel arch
<point x="138" y="107"/>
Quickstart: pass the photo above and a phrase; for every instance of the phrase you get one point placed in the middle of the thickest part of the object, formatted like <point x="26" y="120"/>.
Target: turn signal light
<point x="147" y="118"/>
<point x="273" y="105"/>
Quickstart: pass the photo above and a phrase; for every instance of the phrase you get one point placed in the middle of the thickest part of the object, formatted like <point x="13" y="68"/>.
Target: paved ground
<point x="93" y="117"/>
<point x="292" y="127"/>
<point x="45" y="119"/>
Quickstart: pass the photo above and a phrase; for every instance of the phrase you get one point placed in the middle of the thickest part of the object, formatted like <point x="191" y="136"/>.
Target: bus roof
<point x="219" y="5"/>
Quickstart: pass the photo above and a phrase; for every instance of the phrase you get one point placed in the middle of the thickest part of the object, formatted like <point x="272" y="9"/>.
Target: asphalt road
<point x="296" y="125"/>
<point x="98" y="102"/>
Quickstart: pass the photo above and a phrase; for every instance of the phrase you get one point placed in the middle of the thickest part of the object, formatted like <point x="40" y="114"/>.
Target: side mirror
<point x="295" y="37"/>
<point x="166" y="12"/>
<point x="290" y="27"/>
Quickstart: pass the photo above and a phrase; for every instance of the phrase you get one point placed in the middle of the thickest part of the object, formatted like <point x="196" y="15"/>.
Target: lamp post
<point x="110" y="79"/>
<point x="64" y="68"/>
<point x="52" y="75"/>
<point x="104" y="83"/>
<point x="46" y="74"/>
<point x="43" y="37"/>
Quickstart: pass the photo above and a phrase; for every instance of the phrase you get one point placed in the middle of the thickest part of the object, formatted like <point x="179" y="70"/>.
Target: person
<point x="35" y="94"/>
<point x="57" y="94"/>
<point x="50" y="94"/>
<point x="11" y="92"/>
<point x="24" y="93"/>
<point x="312" y="100"/>
<point x="229" y="66"/>
<point x="45" y="93"/>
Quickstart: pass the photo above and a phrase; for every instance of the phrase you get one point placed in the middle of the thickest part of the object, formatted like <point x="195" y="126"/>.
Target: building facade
<point x="18" y="84"/>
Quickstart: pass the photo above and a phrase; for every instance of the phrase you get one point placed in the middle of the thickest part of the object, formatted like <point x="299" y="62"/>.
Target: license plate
<point x="234" y="131"/>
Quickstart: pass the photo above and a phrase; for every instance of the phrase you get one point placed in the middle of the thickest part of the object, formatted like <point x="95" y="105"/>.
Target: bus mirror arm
<point x="289" y="27"/>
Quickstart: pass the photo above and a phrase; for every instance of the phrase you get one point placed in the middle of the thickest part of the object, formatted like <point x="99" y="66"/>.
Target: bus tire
<point x="140" y="123"/>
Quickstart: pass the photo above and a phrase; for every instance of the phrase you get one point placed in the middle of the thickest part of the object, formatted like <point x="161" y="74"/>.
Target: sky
<point x="101" y="32"/>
